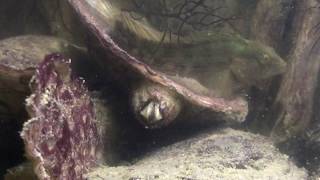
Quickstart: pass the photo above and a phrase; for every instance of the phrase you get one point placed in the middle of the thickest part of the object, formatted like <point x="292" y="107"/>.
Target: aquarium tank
<point x="159" y="89"/>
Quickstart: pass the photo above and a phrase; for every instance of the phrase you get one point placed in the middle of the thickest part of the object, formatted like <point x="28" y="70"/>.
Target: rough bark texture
<point x="295" y="100"/>
<point x="271" y="25"/>
<point x="218" y="154"/>
<point x="62" y="137"/>
<point x="270" y="22"/>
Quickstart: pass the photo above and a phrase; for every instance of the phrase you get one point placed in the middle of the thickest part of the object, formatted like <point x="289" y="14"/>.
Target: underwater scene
<point x="159" y="89"/>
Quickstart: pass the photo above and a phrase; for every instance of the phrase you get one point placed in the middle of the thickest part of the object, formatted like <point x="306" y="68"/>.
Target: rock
<point x="222" y="154"/>
<point x="19" y="57"/>
<point x="23" y="171"/>
<point x="61" y="138"/>
<point x="315" y="176"/>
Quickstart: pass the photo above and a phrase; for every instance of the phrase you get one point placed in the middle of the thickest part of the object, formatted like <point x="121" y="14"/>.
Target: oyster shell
<point x="153" y="56"/>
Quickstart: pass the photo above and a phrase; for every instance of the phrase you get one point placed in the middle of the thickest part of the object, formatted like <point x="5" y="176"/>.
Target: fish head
<point x="258" y="63"/>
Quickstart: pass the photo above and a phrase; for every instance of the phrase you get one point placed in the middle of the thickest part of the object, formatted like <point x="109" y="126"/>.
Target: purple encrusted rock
<point x="61" y="138"/>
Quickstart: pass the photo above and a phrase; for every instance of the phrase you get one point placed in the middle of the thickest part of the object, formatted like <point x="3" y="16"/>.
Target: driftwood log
<point x="271" y="22"/>
<point x="294" y="105"/>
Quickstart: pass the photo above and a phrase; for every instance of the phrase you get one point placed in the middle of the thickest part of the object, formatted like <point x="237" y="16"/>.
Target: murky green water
<point x="163" y="71"/>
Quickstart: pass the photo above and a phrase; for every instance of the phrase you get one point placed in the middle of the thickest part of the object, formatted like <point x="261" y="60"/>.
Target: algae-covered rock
<point x="61" y="138"/>
<point x="107" y="126"/>
<point x="223" y="154"/>
<point x="19" y="56"/>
